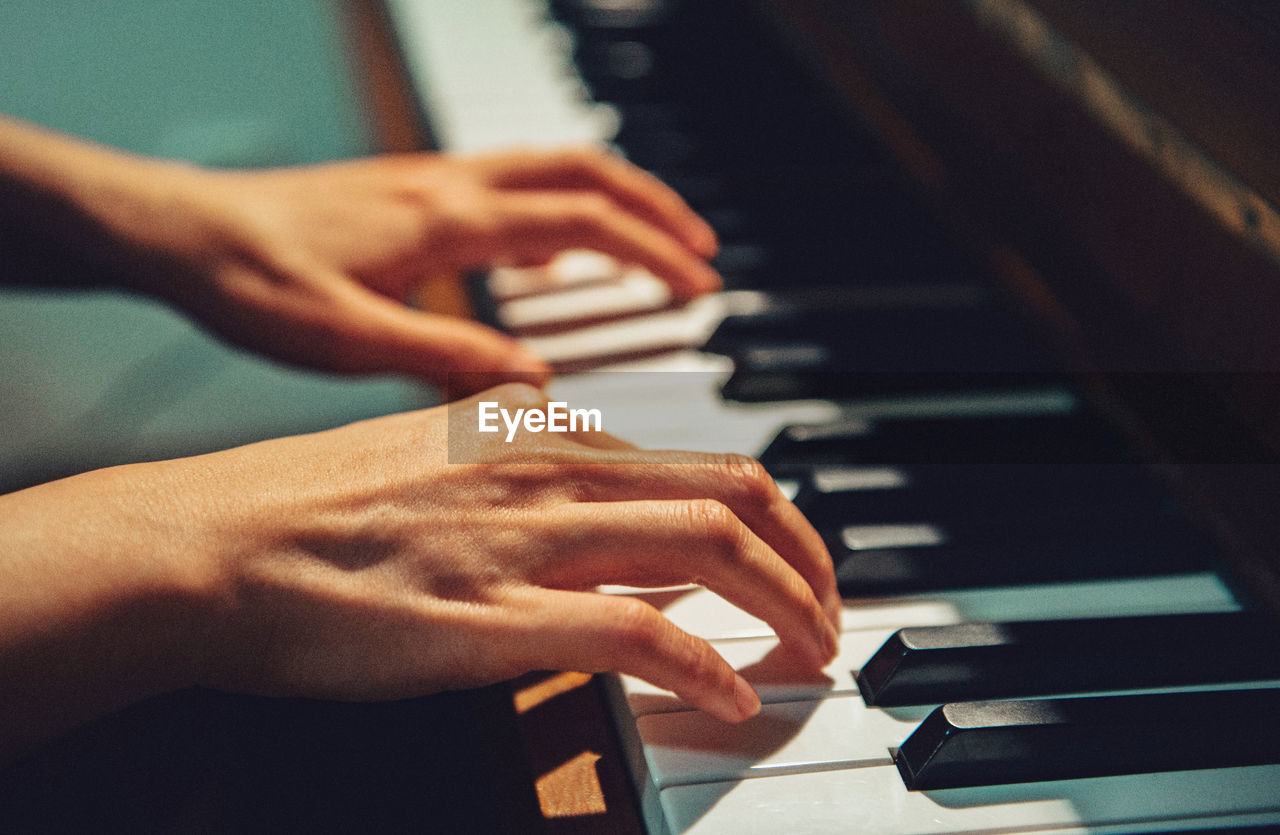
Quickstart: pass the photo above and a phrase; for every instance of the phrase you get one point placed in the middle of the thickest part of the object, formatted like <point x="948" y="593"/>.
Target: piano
<point x="1001" y="313"/>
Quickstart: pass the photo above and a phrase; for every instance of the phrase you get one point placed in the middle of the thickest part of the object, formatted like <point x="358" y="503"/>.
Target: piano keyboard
<point x="819" y="758"/>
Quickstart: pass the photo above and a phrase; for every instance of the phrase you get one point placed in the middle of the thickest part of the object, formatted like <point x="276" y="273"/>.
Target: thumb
<point x="459" y="356"/>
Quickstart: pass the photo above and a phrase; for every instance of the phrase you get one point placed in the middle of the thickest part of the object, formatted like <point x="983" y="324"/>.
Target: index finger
<point x="593" y="633"/>
<point x="635" y="190"/>
<point x="737" y="481"/>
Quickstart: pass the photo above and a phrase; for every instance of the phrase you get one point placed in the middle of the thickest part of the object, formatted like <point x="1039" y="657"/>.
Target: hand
<point x="361" y="564"/>
<point x="313" y="265"/>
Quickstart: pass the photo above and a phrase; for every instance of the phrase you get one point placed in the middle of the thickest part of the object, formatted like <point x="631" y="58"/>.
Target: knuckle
<point x="469" y="218"/>
<point x="520" y="395"/>
<point x="639" y="627"/>
<point x="591" y="212"/>
<point x="709" y="669"/>
<point x="750" y="478"/>
<point x="715" y="523"/>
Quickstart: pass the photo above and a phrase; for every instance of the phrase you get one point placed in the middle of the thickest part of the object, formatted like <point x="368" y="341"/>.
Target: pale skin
<point x="360" y="563"/>
<point x="312" y="265"/>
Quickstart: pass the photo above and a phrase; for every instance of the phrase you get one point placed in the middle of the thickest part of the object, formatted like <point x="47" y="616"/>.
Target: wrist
<point x="108" y="566"/>
<point x="104" y="593"/>
<point x="177" y="583"/>
<point x="87" y="213"/>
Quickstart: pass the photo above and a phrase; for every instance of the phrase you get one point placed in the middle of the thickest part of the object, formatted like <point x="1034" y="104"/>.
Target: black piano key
<point x="992" y="502"/>
<point x="888" y="352"/>
<point x="898" y="343"/>
<point x="898" y="530"/>
<point x="964" y="662"/>
<point x="871" y="572"/>
<point x="853" y="259"/>
<point x="779" y="183"/>
<point x="993" y="743"/>
<point x="787" y="309"/>
<point x="754" y="385"/>
<point x="1025" y="439"/>
<point x="814" y="319"/>
<point x="816" y="143"/>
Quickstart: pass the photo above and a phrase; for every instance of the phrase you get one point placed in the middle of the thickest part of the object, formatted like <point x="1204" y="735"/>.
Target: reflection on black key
<point x="932" y="665"/>
<point x="890" y="352"/>
<point x="979" y="496"/>
<point x="1023" y="439"/>
<point x="1009" y="504"/>
<point x="873" y="560"/>
<point x="783" y="314"/>
<point x="991" y="743"/>
<point x="898" y="530"/>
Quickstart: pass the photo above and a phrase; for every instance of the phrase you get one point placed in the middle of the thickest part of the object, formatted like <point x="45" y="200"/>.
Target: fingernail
<point x="824" y="645"/>
<point x="524" y="361"/>
<point x="746" y="698"/>
<point x="835" y="613"/>
<point x="713" y="281"/>
<point x="833" y="643"/>
<point x="704" y="240"/>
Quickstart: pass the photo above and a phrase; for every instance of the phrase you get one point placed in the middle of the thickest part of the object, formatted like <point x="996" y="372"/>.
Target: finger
<point x="376" y="334"/>
<point x="595" y="633"/>
<point x="635" y="190"/>
<point x="738" y="482"/>
<point x="540" y="223"/>
<point x="663" y="543"/>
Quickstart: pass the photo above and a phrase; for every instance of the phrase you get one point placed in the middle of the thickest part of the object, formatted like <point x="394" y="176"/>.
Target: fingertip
<point x="832" y="641"/>
<point x="745" y="698"/>
<point x="527" y="365"/>
<point x="713" y="281"/>
<point x="835" y="612"/>
<point x="702" y="239"/>
<point x="706" y="281"/>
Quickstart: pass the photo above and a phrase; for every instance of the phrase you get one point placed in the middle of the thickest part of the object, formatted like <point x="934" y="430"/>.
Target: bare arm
<point x="360" y="564"/>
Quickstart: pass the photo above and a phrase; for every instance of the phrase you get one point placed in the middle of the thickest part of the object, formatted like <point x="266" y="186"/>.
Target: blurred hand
<point x="313" y="265"/>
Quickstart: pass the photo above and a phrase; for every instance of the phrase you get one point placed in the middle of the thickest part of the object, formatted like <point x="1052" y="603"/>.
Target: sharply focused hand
<point x="361" y="564"/>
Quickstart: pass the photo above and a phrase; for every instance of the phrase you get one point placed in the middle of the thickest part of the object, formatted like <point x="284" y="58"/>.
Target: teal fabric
<point x="97" y="378"/>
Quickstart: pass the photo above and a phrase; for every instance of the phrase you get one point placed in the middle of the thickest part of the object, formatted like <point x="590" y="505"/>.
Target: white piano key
<point x="784" y="738"/>
<point x="778" y="677"/>
<point x="686" y="327"/>
<point x="568" y="269"/>
<point x="671" y="403"/>
<point x="874" y="800"/>
<point x="774" y="673"/>
<point x="635" y="291"/>
<point x="704" y="613"/>
<point x="477" y="104"/>
<point x="684" y="747"/>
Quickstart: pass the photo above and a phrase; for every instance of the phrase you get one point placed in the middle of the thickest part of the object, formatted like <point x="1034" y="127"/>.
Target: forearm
<point x="101" y="602"/>
<point x="75" y="212"/>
